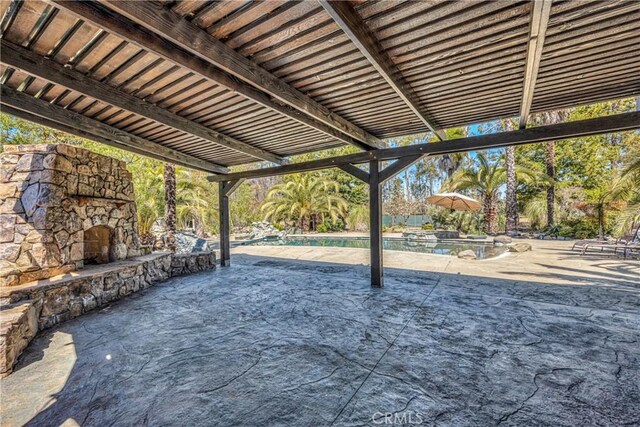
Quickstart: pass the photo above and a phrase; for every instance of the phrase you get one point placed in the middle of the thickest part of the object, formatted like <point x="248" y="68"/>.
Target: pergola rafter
<point x="353" y="26"/>
<point x="540" y="10"/>
<point x="154" y="43"/>
<point x="23" y="59"/>
<point x="30" y="108"/>
<point x="196" y="41"/>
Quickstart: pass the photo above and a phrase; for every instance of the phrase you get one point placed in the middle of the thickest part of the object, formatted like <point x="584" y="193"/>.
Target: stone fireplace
<point x="61" y="208"/>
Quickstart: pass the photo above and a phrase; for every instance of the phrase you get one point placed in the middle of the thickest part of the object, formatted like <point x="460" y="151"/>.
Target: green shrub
<point x="552" y="230"/>
<point x="330" y="225"/>
<point x="427" y="226"/>
<point x="585" y="228"/>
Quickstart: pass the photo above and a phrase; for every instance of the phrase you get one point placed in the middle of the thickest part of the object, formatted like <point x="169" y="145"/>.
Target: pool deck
<point x="550" y="261"/>
<point x="540" y="338"/>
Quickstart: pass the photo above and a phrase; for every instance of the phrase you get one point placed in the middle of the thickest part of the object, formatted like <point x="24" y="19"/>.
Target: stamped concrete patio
<point x="305" y="343"/>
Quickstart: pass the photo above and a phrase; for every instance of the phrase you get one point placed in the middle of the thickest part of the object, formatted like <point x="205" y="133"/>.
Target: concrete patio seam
<point x="386" y="350"/>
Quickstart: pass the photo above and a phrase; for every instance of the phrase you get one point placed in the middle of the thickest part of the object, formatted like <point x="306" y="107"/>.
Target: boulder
<point x="262" y="229"/>
<point x="519" y="247"/>
<point x="467" y="254"/>
<point x="187" y="243"/>
<point x="501" y="240"/>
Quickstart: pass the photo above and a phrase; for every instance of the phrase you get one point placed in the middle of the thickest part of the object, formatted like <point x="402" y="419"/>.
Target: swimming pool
<point x="446" y="247"/>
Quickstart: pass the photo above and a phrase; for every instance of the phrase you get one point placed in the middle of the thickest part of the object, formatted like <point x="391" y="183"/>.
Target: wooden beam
<point x="92" y="129"/>
<point x="84" y="134"/>
<point x="231" y="186"/>
<point x="355" y="171"/>
<point x="210" y="51"/>
<point x="143" y="39"/>
<point x="375" y="224"/>
<point x="32" y="63"/>
<point x="197" y="41"/>
<point x="540" y="11"/>
<point x="356" y="29"/>
<point x="600" y="125"/>
<point x="398" y="166"/>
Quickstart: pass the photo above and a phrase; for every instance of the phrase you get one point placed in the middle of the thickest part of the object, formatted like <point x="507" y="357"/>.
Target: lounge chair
<point x="626" y="244"/>
<point x="580" y="244"/>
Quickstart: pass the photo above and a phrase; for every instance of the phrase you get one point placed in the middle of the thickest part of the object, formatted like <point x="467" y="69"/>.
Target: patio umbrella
<point x="455" y="201"/>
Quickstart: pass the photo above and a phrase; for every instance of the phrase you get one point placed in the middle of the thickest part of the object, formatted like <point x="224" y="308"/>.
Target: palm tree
<point x="170" y="204"/>
<point x="631" y="214"/>
<point x="486" y="178"/>
<point x="194" y="206"/>
<point x="306" y="199"/>
<point x="358" y="217"/>
<point x="609" y="195"/>
<point x="550" y="118"/>
<point x="149" y="199"/>
<point x="511" y="201"/>
<point x="450" y="163"/>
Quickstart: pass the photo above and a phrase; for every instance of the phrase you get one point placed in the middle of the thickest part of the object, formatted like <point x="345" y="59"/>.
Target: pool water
<point x="446" y="247"/>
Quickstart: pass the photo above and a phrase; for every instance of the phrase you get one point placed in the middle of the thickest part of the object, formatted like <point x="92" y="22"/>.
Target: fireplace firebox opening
<point x="98" y="245"/>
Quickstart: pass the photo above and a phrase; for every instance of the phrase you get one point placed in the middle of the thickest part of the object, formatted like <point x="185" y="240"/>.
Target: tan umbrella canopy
<point x="455" y="201"/>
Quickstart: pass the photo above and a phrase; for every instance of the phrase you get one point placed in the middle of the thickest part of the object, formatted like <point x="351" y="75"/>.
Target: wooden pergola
<point x="213" y="84"/>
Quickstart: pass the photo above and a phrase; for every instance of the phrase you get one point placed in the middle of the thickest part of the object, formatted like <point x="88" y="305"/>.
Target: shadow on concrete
<point x="275" y="341"/>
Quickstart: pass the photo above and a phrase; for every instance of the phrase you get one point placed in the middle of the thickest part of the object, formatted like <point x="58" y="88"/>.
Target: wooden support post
<point x="375" y="224"/>
<point x="225" y="189"/>
<point x="225" y="253"/>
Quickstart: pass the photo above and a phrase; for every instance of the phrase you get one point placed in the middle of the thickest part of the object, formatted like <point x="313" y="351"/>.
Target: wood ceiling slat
<point x="607" y="67"/>
<point x="286" y="40"/>
<point x="243" y="17"/>
<point x="451" y="33"/>
<point x="291" y="11"/>
<point x="584" y="97"/>
<point x="24" y="21"/>
<point x="215" y="11"/>
<point x="330" y="77"/>
<point x="186" y="7"/>
<point x="310" y="54"/>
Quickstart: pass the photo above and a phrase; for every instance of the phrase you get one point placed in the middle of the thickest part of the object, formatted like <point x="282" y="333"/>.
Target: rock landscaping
<point x="519" y="247"/>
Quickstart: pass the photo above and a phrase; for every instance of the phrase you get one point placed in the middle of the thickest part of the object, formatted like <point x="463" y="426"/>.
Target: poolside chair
<point x="632" y="235"/>
<point x="626" y="244"/>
